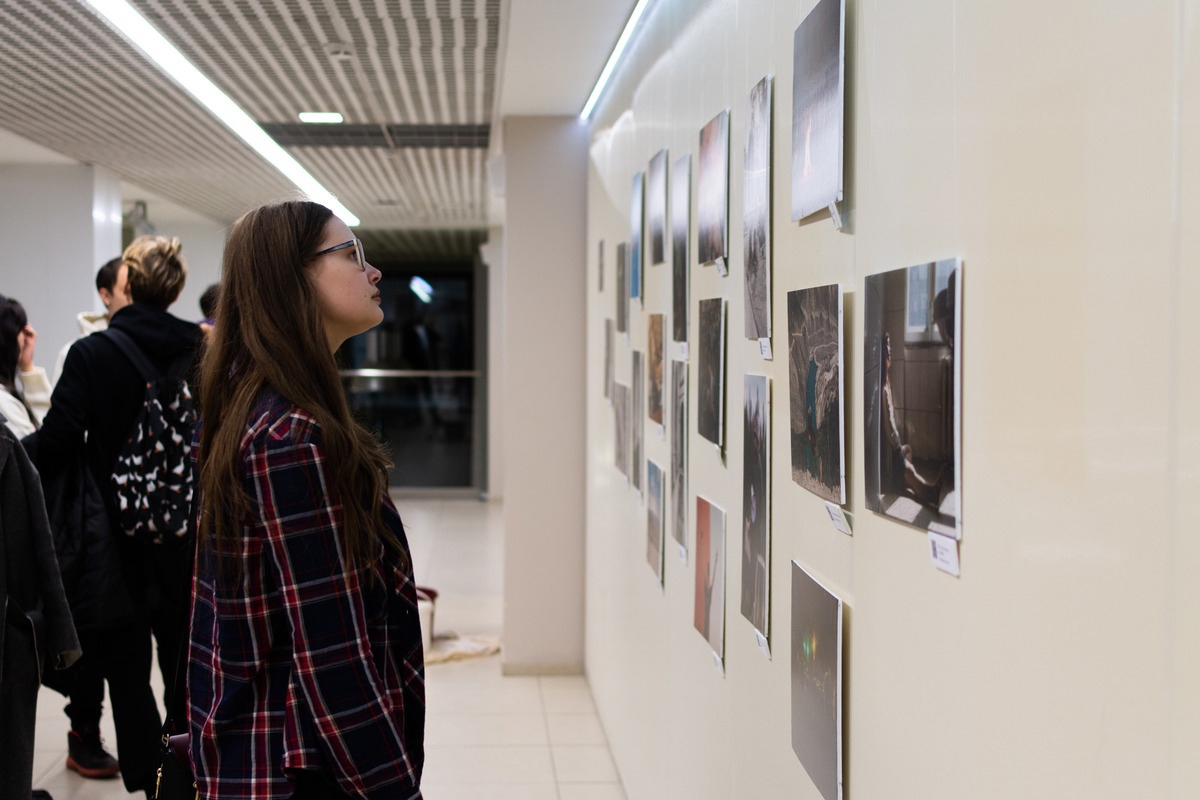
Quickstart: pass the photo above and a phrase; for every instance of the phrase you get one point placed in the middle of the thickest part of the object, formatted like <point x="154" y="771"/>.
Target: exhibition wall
<point x="1055" y="150"/>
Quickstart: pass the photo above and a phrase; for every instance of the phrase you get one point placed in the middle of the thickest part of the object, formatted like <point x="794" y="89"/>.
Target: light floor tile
<point x="475" y="791"/>
<point x="590" y="791"/>
<point x="567" y="694"/>
<point x="584" y="764"/>
<point x="490" y="765"/>
<point x="575" y="729"/>
<point x="458" y="730"/>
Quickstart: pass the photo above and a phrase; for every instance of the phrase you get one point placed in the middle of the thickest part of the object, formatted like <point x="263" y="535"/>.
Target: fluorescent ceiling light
<point x="618" y="49"/>
<point x="321" y="117"/>
<point x="142" y="34"/>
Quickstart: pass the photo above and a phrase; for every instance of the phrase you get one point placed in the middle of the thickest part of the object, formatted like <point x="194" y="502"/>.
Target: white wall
<point x="543" y="305"/>
<point x="1055" y="148"/>
<point x="58" y="224"/>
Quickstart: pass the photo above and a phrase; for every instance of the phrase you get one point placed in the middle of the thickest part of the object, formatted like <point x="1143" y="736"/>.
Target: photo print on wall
<point x="713" y="180"/>
<point x="756" y="205"/>
<point x="621" y="428"/>
<point x="756" y="504"/>
<point x="635" y="235"/>
<point x="709" y="612"/>
<point x="608" y="358"/>
<point x="710" y="416"/>
<point x="654" y="519"/>
<point x="815" y="385"/>
<point x="636" y="420"/>
<point x="654" y="352"/>
<point x="681" y="228"/>
<point x="818" y="100"/>
<point x="679" y="382"/>
<point x="912" y="395"/>
<point x="622" y="292"/>
<point x="817" y="682"/>
<point x="656" y="207"/>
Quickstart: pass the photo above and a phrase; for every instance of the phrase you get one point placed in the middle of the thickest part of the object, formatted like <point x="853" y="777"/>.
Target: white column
<point x="543" y="393"/>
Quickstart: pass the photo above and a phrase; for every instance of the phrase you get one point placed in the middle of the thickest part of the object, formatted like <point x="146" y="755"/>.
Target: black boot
<point x="87" y="756"/>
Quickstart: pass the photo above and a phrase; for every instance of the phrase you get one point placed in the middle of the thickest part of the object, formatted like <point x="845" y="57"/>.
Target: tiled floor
<point x="487" y="736"/>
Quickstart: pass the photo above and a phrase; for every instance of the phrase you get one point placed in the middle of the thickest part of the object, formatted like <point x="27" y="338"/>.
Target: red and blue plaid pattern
<point x="296" y="663"/>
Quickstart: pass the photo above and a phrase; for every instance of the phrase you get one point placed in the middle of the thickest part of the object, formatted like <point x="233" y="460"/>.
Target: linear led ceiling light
<point x="320" y="117"/>
<point x="611" y="66"/>
<point x="142" y="34"/>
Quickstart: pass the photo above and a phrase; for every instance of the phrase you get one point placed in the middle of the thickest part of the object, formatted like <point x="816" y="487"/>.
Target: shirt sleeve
<point x="353" y="715"/>
<point x="37" y="391"/>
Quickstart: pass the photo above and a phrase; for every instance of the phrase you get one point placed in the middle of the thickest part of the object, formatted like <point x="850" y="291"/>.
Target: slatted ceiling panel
<point x="74" y="85"/>
<point x="71" y="83"/>
<point x="422" y="246"/>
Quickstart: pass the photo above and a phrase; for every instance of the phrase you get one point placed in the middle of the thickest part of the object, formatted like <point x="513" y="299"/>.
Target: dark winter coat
<point x="92" y="411"/>
<point x="29" y="581"/>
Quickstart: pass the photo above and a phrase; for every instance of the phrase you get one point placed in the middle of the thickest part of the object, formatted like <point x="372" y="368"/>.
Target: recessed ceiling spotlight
<point x="321" y="117"/>
<point x="339" y="51"/>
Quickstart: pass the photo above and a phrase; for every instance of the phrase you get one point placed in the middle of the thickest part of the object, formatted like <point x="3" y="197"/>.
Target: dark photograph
<point x="756" y="503"/>
<point x="756" y="205"/>
<point x="655" y="325"/>
<point x="818" y="99"/>
<point x="621" y="428"/>
<point x="911" y="394"/>
<point x="636" y="201"/>
<point x="817" y="682"/>
<point x="656" y="207"/>
<point x="636" y="420"/>
<point x="713" y="190"/>
<point x="622" y="292"/>
<point x="710" y="389"/>
<point x="608" y="358"/>
<point x="681" y="229"/>
<point x="679" y="382"/>
<point x="815" y="391"/>
<point x="709" y="611"/>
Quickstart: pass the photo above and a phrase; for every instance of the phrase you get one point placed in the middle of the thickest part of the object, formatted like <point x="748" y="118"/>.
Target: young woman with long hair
<point x="22" y="402"/>
<point x="306" y="674"/>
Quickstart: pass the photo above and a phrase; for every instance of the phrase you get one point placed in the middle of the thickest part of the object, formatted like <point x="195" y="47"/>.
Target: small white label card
<point x="683" y="351"/>
<point x="662" y="431"/>
<point x="838" y="517"/>
<point x="722" y="267"/>
<point x="682" y="554"/>
<point x="943" y="551"/>
<point x="762" y="643"/>
<point x="764" y="348"/>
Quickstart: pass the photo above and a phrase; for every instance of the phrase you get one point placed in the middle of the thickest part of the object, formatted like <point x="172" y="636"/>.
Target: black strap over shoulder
<point x="132" y="351"/>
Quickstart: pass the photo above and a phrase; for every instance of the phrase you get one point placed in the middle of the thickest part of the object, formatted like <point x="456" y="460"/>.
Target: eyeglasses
<point x="358" y="252"/>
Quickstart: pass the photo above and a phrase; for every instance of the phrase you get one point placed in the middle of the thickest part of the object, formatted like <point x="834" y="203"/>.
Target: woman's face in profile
<point x="348" y="293"/>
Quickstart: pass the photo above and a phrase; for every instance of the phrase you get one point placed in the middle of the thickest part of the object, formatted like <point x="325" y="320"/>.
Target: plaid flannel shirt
<point x="297" y="665"/>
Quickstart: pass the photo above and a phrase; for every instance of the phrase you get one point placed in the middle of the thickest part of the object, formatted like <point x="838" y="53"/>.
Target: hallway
<point x="487" y="736"/>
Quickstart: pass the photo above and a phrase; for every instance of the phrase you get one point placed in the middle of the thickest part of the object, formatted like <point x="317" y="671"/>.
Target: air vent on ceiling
<point x="289" y="134"/>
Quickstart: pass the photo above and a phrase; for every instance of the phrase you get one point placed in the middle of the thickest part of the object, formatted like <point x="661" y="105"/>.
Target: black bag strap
<point x="132" y="351"/>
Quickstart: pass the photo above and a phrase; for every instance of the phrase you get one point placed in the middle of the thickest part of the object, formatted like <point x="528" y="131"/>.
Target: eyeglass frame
<point x="356" y="243"/>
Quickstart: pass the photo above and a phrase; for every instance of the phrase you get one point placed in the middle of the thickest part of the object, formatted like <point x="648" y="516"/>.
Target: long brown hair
<point x="269" y="333"/>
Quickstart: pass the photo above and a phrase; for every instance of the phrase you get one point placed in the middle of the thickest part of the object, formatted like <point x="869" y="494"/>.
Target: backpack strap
<point x="129" y="347"/>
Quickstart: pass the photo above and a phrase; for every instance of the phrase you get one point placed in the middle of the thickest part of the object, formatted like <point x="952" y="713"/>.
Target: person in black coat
<point x="129" y="588"/>
<point x="36" y="631"/>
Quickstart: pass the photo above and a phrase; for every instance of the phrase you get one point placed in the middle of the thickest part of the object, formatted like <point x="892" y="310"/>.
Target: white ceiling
<point x="452" y="67"/>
